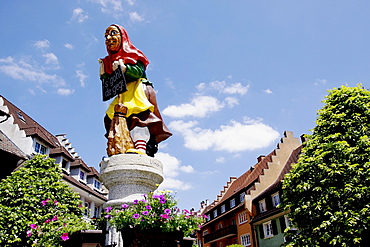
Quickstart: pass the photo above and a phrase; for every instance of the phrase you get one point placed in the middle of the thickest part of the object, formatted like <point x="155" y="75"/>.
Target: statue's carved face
<point x="113" y="38"/>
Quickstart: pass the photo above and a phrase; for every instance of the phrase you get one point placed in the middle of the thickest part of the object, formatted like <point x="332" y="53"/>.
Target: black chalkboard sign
<point x="113" y="84"/>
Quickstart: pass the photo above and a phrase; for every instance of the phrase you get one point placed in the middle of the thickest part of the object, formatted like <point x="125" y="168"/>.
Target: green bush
<point x="327" y="191"/>
<point x="37" y="208"/>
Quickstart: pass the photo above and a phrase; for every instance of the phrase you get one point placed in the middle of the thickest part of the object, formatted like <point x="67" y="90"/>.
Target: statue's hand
<point x="101" y="70"/>
<point x="121" y="63"/>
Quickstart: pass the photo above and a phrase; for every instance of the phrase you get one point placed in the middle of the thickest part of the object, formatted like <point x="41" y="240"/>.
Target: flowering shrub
<point x="54" y="226"/>
<point x="154" y="211"/>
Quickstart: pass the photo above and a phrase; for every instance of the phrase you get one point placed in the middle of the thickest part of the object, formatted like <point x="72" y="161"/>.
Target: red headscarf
<point x="128" y="52"/>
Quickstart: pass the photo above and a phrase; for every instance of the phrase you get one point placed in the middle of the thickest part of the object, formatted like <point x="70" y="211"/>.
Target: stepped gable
<point x="244" y="181"/>
<point x="30" y="126"/>
<point x="288" y="166"/>
<point x="8" y="146"/>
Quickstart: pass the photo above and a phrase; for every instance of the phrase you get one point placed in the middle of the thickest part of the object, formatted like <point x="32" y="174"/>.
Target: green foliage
<point x="35" y="197"/>
<point x="154" y="211"/>
<point x="327" y="191"/>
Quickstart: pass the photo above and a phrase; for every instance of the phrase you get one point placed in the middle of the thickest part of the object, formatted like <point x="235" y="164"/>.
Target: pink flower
<point x="148" y="207"/>
<point x="162" y="201"/>
<point x="47" y="221"/>
<point x="167" y="211"/>
<point x="108" y="209"/>
<point x="124" y="205"/>
<point x="145" y="213"/>
<point x="107" y="216"/>
<point x="29" y="233"/>
<point x="64" y="236"/>
<point x="33" y="226"/>
<point x="164" y="216"/>
<point x="54" y="218"/>
<point x="44" y="202"/>
<point x="135" y="216"/>
<point x="136" y="201"/>
<point x="55" y="202"/>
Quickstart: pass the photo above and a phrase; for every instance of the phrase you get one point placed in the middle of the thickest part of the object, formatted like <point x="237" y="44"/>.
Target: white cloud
<point x="65" y="91"/>
<point x="223" y="87"/>
<point x="81" y="77"/>
<point x="135" y="17"/>
<point x="171" y="169"/>
<point x="232" y="138"/>
<point x="42" y="44"/>
<point x="110" y="7"/>
<point x="320" y="81"/>
<point x="268" y="91"/>
<point x="130" y="2"/>
<point x="174" y="184"/>
<point x="51" y="58"/>
<point x="24" y="70"/>
<point x="200" y="106"/>
<point x="79" y="15"/>
<point x="231" y="101"/>
<point x="68" y="46"/>
<point x="220" y="160"/>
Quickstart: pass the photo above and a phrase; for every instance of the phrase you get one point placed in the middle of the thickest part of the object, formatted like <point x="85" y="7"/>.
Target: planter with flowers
<point x="153" y="221"/>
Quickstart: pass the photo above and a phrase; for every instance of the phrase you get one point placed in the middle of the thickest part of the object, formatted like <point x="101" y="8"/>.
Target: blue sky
<point x="230" y="77"/>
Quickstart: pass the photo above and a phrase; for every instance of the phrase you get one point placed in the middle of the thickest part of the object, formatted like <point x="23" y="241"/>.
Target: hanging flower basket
<point x="152" y="237"/>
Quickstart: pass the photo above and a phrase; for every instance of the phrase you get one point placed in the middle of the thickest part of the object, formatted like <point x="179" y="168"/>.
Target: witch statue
<point x="137" y="106"/>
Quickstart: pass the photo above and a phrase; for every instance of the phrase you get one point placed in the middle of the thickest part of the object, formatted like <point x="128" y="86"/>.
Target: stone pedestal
<point x="129" y="176"/>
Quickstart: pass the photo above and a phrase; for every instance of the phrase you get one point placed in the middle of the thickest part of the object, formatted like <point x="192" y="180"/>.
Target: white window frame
<point x="66" y="168"/>
<point x="288" y="223"/>
<point x="268" y="230"/>
<point x="84" y="177"/>
<point x="242" y="217"/>
<point x="97" y="181"/>
<point x="232" y="203"/>
<point x="262" y="206"/>
<point x="242" y="196"/>
<point x="245" y="239"/>
<point x="38" y="149"/>
<point x="223" y="209"/>
<point x="275" y="199"/>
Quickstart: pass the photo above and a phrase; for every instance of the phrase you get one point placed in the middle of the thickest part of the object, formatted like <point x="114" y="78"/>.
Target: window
<point x="215" y="213"/>
<point x="97" y="184"/>
<point x="233" y="222"/>
<point x="275" y="199"/>
<point x="82" y="175"/>
<point x="65" y="164"/>
<point x="40" y="149"/>
<point x="96" y="211"/>
<point x="219" y="226"/>
<point x="87" y="209"/>
<point x="267" y="229"/>
<point x="243" y="217"/>
<point x="262" y="206"/>
<point x="242" y="196"/>
<point x="288" y="223"/>
<point x="208" y="217"/>
<point x="232" y="203"/>
<point x="223" y="209"/>
<point x="245" y="239"/>
<point x="205" y="232"/>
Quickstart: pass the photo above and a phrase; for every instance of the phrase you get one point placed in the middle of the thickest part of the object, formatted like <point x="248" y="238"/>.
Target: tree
<point x="327" y="191"/>
<point x="36" y="207"/>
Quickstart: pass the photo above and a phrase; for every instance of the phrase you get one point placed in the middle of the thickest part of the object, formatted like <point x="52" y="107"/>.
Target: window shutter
<point x="282" y="224"/>
<point x="274" y="227"/>
<point x="262" y="232"/>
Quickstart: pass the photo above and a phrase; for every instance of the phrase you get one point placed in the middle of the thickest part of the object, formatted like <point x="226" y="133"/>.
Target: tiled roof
<point x="293" y="158"/>
<point x="61" y="151"/>
<point x="93" y="173"/>
<point x="244" y="181"/>
<point x="80" y="162"/>
<point x="8" y="146"/>
<point x="84" y="187"/>
<point x="30" y="126"/>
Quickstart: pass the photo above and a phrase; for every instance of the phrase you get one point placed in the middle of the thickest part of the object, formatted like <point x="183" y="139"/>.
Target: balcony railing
<point x="221" y="233"/>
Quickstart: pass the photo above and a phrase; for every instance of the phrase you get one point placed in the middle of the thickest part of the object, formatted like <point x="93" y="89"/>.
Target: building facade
<point x="21" y="137"/>
<point x="231" y="217"/>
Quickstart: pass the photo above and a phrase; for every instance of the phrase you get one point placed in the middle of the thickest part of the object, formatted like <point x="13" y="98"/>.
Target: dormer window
<point x="275" y="199"/>
<point x="65" y="165"/>
<point x="39" y="148"/>
<point x="262" y="206"/>
<point x="232" y="203"/>
<point x="223" y="208"/>
<point x="97" y="185"/>
<point x="215" y="213"/>
<point x="82" y="175"/>
<point x="242" y="196"/>
<point x="20" y="116"/>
